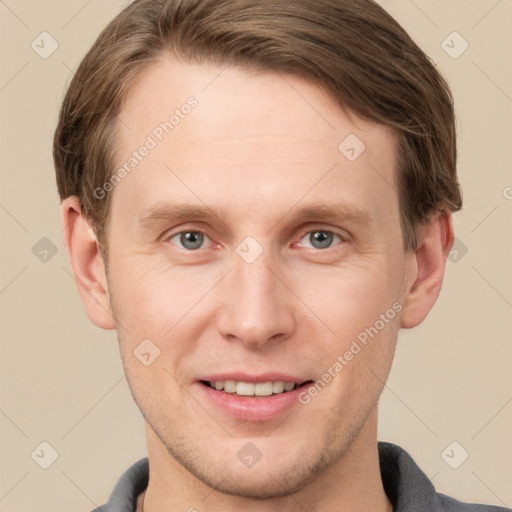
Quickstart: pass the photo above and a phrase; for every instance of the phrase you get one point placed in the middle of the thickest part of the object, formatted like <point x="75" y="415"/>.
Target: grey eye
<point x="320" y="239"/>
<point x="190" y="240"/>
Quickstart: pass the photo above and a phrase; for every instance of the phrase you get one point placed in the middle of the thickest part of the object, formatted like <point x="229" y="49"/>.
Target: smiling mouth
<point x="251" y="389"/>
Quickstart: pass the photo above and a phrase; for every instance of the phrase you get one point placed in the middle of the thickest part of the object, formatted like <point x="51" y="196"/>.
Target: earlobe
<point x="435" y="241"/>
<point x="87" y="262"/>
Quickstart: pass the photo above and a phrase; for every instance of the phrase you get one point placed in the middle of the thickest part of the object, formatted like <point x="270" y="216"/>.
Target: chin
<point x="262" y="483"/>
<point x="276" y="476"/>
<point x="266" y="489"/>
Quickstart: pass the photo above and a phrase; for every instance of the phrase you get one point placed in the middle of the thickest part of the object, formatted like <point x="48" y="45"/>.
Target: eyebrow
<point x="170" y="211"/>
<point x="347" y="212"/>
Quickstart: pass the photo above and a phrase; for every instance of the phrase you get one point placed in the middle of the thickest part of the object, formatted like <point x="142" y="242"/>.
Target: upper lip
<point x="245" y="377"/>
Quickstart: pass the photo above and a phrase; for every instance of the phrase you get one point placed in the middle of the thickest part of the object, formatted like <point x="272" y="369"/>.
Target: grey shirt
<point x="407" y="487"/>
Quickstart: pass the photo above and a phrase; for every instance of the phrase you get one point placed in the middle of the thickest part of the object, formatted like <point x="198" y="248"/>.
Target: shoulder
<point x="410" y="490"/>
<point x="131" y="483"/>
<point x="448" y="504"/>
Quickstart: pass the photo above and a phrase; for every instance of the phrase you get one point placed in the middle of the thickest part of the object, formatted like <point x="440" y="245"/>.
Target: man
<point x="257" y="196"/>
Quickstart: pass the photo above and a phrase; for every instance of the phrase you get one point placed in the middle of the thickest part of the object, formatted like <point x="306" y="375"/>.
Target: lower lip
<point x="246" y="408"/>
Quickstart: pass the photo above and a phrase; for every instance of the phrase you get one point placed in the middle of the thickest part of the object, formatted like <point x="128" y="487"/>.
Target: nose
<point x="257" y="307"/>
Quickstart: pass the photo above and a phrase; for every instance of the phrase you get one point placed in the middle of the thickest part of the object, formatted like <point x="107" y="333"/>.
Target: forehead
<point x="242" y="136"/>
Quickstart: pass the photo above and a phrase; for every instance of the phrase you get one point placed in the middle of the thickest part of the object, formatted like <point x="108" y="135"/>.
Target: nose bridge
<point x="256" y="306"/>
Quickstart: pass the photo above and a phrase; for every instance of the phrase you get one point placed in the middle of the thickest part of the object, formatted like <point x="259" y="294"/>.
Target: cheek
<point x="349" y="298"/>
<point x="357" y="312"/>
<point x="153" y="295"/>
<point x="170" y="308"/>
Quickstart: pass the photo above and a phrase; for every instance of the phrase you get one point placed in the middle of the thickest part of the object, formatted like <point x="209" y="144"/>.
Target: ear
<point x="87" y="262"/>
<point x="435" y="240"/>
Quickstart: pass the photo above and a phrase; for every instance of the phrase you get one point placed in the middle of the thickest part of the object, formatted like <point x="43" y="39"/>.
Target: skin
<point x="255" y="149"/>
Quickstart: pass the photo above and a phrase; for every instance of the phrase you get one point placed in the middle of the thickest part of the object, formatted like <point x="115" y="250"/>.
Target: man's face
<point x="297" y="252"/>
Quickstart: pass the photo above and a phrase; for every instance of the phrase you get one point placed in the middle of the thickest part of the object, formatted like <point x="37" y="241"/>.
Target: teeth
<point x="229" y="386"/>
<point x="278" y="386"/>
<point x="263" y="389"/>
<point x="244" y="389"/>
<point x="251" y="389"/>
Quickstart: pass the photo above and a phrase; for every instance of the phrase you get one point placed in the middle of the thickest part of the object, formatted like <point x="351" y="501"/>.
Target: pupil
<point x="191" y="239"/>
<point x="321" y="239"/>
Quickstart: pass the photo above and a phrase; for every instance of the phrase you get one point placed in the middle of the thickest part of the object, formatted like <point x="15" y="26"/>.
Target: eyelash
<point x="343" y="238"/>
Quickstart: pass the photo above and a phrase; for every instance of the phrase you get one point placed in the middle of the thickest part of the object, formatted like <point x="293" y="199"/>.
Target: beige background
<point x="61" y="378"/>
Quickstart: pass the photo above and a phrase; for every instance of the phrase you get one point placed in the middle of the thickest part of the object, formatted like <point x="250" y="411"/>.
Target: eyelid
<point x="342" y="234"/>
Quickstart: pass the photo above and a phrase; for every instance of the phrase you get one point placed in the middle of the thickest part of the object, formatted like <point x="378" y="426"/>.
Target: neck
<point x="353" y="482"/>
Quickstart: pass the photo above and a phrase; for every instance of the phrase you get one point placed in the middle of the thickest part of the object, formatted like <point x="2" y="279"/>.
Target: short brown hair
<point x="352" y="49"/>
